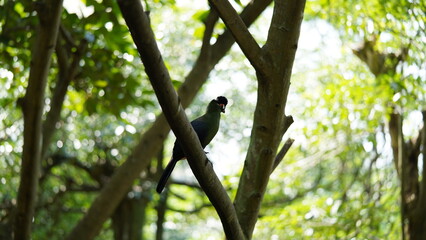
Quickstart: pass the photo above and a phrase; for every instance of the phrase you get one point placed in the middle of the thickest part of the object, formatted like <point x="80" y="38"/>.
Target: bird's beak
<point x="222" y="107"/>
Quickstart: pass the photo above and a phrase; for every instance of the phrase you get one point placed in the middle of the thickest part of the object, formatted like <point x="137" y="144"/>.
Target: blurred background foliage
<point x="338" y="181"/>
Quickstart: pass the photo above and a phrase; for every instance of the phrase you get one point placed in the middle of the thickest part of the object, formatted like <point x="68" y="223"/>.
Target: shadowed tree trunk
<point x="270" y="121"/>
<point x="161" y="214"/>
<point x="129" y="218"/>
<point x="273" y="65"/>
<point x="152" y="139"/>
<point x="49" y="13"/>
<point x="413" y="186"/>
<point x="405" y="153"/>
<point x="68" y="60"/>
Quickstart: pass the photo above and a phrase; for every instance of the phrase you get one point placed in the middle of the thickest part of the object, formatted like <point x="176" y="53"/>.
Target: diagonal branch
<point x="152" y="138"/>
<point x="67" y="72"/>
<point x="143" y="37"/>
<point x="281" y="154"/>
<point x="269" y="115"/>
<point x="209" y="24"/>
<point x="248" y="15"/>
<point x="242" y="35"/>
<point x="288" y="120"/>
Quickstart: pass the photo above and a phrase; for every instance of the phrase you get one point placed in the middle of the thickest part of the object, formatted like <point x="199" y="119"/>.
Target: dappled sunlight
<point x="356" y="96"/>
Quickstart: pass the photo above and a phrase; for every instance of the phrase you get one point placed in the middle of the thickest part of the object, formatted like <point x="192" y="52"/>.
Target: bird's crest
<point x="222" y="101"/>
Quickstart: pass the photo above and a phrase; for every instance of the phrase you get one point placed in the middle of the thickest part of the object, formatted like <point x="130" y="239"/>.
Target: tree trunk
<point x="269" y="122"/>
<point x="273" y="64"/>
<point x="49" y="13"/>
<point x="413" y="204"/>
<point x="161" y="214"/>
<point x="129" y="218"/>
<point x="405" y="154"/>
<point x="68" y="66"/>
<point x="151" y="141"/>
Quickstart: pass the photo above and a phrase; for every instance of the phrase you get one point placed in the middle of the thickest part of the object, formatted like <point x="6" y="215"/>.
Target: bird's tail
<point x="166" y="174"/>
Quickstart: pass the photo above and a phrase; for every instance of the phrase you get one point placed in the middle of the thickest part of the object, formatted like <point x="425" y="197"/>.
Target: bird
<point x="206" y="128"/>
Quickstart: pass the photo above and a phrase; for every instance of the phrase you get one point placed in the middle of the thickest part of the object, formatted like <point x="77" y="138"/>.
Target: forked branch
<point x="157" y="72"/>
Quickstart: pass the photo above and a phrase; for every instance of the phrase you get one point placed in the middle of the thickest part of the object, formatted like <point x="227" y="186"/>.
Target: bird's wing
<point x="202" y="129"/>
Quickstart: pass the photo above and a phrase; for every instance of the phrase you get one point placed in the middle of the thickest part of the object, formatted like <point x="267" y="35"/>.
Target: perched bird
<point x="206" y="128"/>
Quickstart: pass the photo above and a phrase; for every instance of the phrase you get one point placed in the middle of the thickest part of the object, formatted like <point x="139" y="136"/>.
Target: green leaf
<point x="101" y="83"/>
<point x="201" y="15"/>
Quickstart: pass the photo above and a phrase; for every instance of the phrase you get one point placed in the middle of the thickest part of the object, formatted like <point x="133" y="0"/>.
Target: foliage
<point x="338" y="181"/>
<point x="394" y="28"/>
<point x="344" y="188"/>
<point x="345" y="109"/>
<point x="104" y="106"/>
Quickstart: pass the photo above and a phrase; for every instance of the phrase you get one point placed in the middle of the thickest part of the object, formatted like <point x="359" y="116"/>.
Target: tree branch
<point x="288" y="120"/>
<point x="285" y="200"/>
<point x="143" y="37"/>
<point x="393" y="132"/>
<point x="242" y="35"/>
<point x="280" y="50"/>
<point x="191" y="211"/>
<point x="161" y="214"/>
<point x="248" y="15"/>
<point x="280" y="156"/>
<point x="49" y="13"/>
<point x="185" y="183"/>
<point x="67" y="72"/>
<point x="209" y="24"/>
<point x="151" y="140"/>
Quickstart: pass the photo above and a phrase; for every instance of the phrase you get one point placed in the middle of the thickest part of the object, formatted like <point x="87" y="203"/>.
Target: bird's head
<point x="217" y="105"/>
<point x="222" y="102"/>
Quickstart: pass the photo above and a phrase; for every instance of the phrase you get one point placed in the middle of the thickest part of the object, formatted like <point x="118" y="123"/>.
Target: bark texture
<point x="405" y="153"/>
<point x="129" y="218"/>
<point x="157" y="72"/>
<point x="273" y="70"/>
<point x="413" y="186"/>
<point x="49" y="13"/>
<point x="68" y="66"/>
<point x="151" y="140"/>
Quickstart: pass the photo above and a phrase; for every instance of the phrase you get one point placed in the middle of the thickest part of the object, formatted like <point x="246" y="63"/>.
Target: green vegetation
<point x="357" y="94"/>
